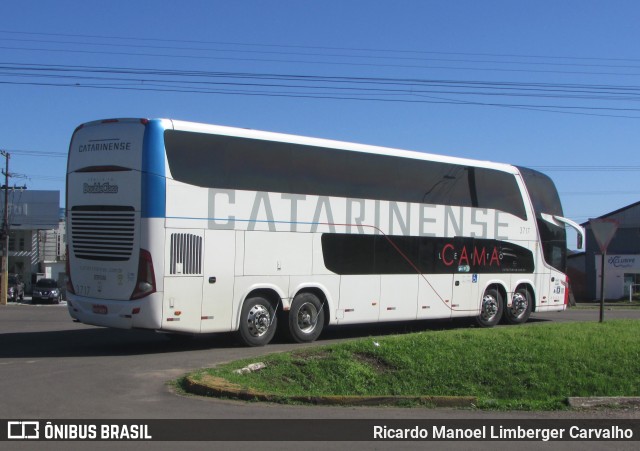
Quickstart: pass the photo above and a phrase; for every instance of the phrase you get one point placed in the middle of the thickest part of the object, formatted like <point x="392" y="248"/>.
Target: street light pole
<point x="5" y="232"/>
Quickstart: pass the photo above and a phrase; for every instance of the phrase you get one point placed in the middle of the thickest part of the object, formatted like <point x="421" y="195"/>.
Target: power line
<point x="192" y="74"/>
<point x="334" y="97"/>
<point x="351" y="84"/>
<point x="598" y="193"/>
<point x="307" y="53"/>
<point x="80" y="43"/>
<point x="37" y="153"/>
<point x="83" y="38"/>
<point x="628" y="168"/>
<point x="403" y="90"/>
<point x="327" y="63"/>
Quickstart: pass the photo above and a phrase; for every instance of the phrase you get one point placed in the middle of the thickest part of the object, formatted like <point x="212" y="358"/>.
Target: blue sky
<point x="552" y="85"/>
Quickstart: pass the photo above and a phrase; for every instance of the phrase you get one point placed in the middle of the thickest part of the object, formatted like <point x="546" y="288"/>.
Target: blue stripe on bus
<point x="154" y="187"/>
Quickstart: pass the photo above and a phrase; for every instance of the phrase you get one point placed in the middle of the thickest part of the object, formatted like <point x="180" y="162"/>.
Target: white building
<point x="622" y="262"/>
<point x="35" y="245"/>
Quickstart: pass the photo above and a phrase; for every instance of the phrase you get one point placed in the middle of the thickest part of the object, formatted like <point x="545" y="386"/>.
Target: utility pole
<point x="5" y="232"/>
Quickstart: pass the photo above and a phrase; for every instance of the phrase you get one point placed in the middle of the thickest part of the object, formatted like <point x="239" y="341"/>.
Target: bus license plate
<point x="100" y="309"/>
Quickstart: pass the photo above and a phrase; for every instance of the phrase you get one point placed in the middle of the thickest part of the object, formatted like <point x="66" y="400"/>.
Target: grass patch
<point x="533" y="367"/>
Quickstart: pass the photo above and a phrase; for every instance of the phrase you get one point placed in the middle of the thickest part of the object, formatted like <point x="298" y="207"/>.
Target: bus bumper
<point x="141" y="313"/>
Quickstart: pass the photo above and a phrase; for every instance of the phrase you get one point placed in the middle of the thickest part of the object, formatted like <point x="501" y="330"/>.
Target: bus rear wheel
<point x="306" y="318"/>
<point x="520" y="309"/>
<point x="491" y="308"/>
<point x="258" y="322"/>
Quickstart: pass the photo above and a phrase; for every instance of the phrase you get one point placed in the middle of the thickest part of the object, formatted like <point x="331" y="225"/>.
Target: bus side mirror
<point x="574" y="225"/>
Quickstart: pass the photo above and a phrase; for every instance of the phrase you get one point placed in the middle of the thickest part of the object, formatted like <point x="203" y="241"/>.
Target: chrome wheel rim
<point x="519" y="305"/>
<point x="307" y="317"/>
<point x="489" y="307"/>
<point x="259" y="320"/>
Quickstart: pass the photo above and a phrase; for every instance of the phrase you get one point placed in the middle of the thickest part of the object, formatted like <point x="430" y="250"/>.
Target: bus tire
<point x="306" y="318"/>
<point x="520" y="309"/>
<point x="258" y="321"/>
<point x="490" y="309"/>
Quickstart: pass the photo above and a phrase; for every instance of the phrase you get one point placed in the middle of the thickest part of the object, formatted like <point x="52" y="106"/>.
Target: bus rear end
<point x="112" y="209"/>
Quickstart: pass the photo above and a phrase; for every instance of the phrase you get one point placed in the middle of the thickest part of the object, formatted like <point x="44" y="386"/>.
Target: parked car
<point x="46" y="290"/>
<point x="15" y="290"/>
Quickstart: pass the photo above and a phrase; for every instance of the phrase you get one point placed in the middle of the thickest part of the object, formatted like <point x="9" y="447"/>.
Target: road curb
<point x="603" y="401"/>
<point x="211" y="386"/>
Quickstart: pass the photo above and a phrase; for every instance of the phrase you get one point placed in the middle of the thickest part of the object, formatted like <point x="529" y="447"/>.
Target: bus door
<point x="458" y="256"/>
<point x="218" y="280"/>
<point x="543" y="285"/>
<point x="181" y="308"/>
<point x="557" y="289"/>
<point x="550" y="286"/>
<point x="466" y="295"/>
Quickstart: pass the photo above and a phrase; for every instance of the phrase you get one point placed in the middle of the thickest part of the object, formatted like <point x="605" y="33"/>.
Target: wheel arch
<point x="271" y="293"/>
<point x="499" y="286"/>
<point x="528" y="286"/>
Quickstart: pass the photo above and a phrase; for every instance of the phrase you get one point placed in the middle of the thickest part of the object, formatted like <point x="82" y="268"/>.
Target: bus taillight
<point x="67" y="268"/>
<point x="566" y="291"/>
<point x="146" y="283"/>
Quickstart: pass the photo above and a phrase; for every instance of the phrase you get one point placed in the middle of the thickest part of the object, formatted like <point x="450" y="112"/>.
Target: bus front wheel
<point x="491" y="308"/>
<point x="306" y="318"/>
<point x="258" y="322"/>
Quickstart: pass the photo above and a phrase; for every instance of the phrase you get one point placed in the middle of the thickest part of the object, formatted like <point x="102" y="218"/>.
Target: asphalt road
<point x="52" y="368"/>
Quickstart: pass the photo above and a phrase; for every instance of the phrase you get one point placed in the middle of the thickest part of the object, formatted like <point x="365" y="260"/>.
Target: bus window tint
<point x="499" y="191"/>
<point x="542" y="191"/>
<point x="216" y="161"/>
<point x="545" y="199"/>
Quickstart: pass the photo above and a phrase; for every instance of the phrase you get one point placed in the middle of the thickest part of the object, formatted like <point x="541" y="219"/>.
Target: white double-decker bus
<point x="191" y="228"/>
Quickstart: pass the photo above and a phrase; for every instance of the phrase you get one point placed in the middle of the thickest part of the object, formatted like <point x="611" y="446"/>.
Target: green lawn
<point x="521" y="367"/>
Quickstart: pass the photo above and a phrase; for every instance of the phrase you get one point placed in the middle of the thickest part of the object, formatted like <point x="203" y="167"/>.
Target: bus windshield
<point x="545" y="200"/>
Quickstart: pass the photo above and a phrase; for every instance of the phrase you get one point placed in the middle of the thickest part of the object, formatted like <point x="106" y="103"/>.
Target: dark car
<point x="46" y="290"/>
<point x="15" y="289"/>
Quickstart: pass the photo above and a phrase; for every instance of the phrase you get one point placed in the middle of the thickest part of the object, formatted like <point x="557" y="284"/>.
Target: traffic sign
<point x="603" y="231"/>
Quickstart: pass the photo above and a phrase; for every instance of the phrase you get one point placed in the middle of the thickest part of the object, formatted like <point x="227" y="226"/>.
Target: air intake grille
<point x="186" y="254"/>
<point x="103" y="233"/>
